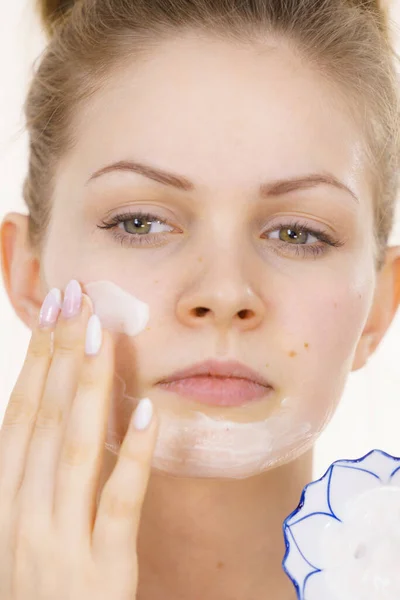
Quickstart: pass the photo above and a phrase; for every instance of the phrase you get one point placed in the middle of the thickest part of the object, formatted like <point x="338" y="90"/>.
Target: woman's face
<point x="286" y="301"/>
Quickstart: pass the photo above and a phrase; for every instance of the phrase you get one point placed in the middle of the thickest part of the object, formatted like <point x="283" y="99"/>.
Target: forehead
<point x="222" y="115"/>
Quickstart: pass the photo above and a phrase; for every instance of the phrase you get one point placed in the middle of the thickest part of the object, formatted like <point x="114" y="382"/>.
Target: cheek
<point x="62" y="262"/>
<point x="322" y="327"/>
<point x="326" y="316"/>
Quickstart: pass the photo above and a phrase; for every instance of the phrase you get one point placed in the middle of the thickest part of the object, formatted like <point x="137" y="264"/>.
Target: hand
<point x="56" y="543"/>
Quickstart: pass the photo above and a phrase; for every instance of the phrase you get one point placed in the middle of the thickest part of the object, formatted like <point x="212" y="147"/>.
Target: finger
<point x="82" y="452"/>
<point x="19" y="418"/>
<point x="122" y="497"/>
<point x="59" y="391"/>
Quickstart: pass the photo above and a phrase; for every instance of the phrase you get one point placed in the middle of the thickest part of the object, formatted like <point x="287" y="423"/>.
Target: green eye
<point x="137" y="225"/>
<point x="287" y="234"/>
<point x="299" y="238"/>
<point x="138" y="228"/>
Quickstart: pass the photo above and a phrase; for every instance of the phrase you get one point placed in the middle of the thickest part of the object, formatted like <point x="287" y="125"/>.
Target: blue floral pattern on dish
<point x="343" y="539"/>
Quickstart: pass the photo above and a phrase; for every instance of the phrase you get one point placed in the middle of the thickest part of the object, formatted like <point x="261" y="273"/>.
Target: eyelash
<point x="158" y="239"/>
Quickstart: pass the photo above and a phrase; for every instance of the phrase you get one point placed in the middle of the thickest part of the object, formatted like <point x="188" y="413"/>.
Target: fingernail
<point x="143" y="414"/>
<point x="72" y="299"/>
<point x="50" y="308"/>
<point x="93" y="336"/>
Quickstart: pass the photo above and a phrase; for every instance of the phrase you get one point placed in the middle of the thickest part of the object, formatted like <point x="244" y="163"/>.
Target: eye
<point x="134" y="229"/>
<point x="142" y="224"/>
<point x="294" y="234"/>
<point x="297" y="237"/>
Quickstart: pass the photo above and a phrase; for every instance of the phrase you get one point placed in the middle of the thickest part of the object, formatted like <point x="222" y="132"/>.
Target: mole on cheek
<point x="220" y="564"/>
<point x="306" y="345"/>
<point x="292" y="353"/>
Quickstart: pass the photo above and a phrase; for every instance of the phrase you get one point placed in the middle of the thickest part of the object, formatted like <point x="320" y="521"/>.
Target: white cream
<point x="199" y="445"/>
<point x="207" y="447"/>
<point x="361" y="553"/>
<point x="118" y="310"/>
<point x="202" y="446"/>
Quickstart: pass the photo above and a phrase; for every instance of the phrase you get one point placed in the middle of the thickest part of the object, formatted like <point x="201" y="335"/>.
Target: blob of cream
<point x="117" y="310"/>
<point x="201" y="446"/>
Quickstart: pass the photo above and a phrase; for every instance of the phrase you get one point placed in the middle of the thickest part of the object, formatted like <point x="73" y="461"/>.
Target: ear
<point x="20" y="268"/>
<point x="383" y="309"/>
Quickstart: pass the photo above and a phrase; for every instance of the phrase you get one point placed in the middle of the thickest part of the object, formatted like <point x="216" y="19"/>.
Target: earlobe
<point x="20" y="268"/>
<point x="393" y="274"/>
<point x="383" y="309"/>
<point x="365" y="349"/>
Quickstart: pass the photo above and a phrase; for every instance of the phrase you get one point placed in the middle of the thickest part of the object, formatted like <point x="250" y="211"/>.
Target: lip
<point x="215" y="368"/>
<point x="223" y="383"/>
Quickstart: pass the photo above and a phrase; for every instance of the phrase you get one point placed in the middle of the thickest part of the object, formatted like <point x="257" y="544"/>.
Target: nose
<point x="223" y="297"/>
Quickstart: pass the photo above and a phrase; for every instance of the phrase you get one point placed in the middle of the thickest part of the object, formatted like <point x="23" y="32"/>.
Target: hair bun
<point x="51" y="12"/>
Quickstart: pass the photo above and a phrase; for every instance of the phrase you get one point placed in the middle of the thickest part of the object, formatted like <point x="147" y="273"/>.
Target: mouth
<point x="217" y="383"/>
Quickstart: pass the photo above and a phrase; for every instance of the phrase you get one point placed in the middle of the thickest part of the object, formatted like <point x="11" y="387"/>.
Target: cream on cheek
<point x="201" y="445"/>
<point x="118" y="310"/>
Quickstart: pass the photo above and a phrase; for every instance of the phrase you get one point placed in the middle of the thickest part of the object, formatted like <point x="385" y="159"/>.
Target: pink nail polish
<point x="50" y="308"/>
<point x="72" y="299"/>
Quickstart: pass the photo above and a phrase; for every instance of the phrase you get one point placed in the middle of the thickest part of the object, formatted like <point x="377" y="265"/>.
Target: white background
<point x="369" y="414"/>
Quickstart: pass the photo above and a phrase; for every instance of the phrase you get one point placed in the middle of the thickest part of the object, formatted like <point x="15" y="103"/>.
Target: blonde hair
<point x="346" y="40"/>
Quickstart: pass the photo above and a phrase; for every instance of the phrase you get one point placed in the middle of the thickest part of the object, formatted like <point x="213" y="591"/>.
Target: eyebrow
<point x="273" y="188"/>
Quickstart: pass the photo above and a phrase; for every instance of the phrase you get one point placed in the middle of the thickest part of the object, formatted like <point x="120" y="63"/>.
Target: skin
<point x="247" y="117"/>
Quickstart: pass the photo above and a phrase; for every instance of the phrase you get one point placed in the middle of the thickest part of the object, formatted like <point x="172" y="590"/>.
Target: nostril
<point x="200" y="311"/>
<point x="245" y="314"/>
